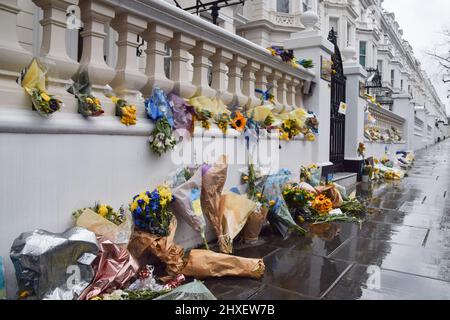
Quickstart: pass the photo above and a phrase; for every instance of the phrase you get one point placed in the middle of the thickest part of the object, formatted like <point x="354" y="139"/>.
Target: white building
<point x="51" y="167"/>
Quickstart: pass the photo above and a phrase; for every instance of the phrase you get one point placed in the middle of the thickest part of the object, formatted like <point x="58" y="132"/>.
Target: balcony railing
<point x="238" y="65"/>
<point x="285" y="19"/>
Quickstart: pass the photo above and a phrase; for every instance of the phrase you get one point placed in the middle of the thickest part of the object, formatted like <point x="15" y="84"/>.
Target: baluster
<point x="249" y="83"/>
<point x="273" y="79"/>
<point x="235" y="80"/>
<point x="282" y="91"/>
<point x="219" y="74"/>
<point x="180" y="45"/>
<point x="291" y="93"/>
<point x="298" y="92"/>
<point x="53" y="50"/>
<point x="95" y="16"/>
<point x="202" y="52"/>
<point x="156" y="36"/>
<point x="128" y="80"/>
<point x="261" y="78"/>
<point x="13" y="58"/>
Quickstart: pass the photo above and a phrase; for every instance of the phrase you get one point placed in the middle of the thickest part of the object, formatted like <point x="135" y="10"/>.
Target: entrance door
<point x="337" y="126"/>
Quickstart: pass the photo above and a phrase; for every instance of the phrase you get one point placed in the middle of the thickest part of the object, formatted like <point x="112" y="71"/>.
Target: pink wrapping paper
<point x="114" y="268"/>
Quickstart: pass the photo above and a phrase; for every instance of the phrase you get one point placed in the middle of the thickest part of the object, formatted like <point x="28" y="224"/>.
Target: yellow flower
<point x="143" y="196"/>
<point x="259" y="195"/>
<point x="128" y="115"/>
<point x="284" y="136"/>
<point x="45" y="97"/>
<point x="239" y="122"/>
<point x="115" y="99"/>
<point x="322" y="205"/>
<point x="134" y="206"/>
<point x="89" y="100"/>
<point x="103" y="210"/>
<point x="272" y="202"/>
<point x="97" y="101"/>
<point x="310" y="137"/>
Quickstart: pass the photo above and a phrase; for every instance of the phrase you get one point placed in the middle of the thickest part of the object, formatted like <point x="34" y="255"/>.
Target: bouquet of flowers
<point x="125" y="111"/>
<point x="310" y="174"/>
<point x="156" y="226"/>
<point x="88" y="105"/>
<point x="160" y="111"/>
<point x="33" y="81"/>
<point x="297" y="197"/>
<point x="104" y="221"/>
<point x="288" y="56"/>
<point x="322" y="205"/>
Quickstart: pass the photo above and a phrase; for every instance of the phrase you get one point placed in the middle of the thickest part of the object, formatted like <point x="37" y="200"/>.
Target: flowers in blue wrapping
<point x="266" y="95"/>
<point x="159" y="107"/>
<point x="150" y="211"/>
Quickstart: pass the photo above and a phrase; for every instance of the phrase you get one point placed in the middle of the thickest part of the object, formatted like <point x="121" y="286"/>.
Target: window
<point x="380" y="68"/>
<point x="349" y="34"/>
<point x="334" y="25"/>
<point x="283" y="6"/>
<point x="392" y="78"/>
<point x="362" y="53"/>
<point x="305" y="5"/>
<point x="401" y="85"/>
<point x="167" y="61"/>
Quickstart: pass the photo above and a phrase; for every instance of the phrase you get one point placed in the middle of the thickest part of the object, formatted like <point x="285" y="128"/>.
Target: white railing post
<point x="298" y="92"/>
<point x="273" y="79"/>
<point x="95" y="16"/>
<point x="262" y="75"/>
<point x="128" y="80"/>
<point x="156" y="36"/>
<point x="202" y="52"/>
<point x="13" y="58"/>
<point x="235" y="80"/>
<point x="282" y="91"/>
<point x="180" y="45"/>
<point x="249" y="83"/>
<point x="219" y="74"/>
<point x="291" y="93"/>
<point x="53" y="50"/>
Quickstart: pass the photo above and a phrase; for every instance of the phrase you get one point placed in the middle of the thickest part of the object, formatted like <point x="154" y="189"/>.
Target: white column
<point x="219" y="74"/>
<point x="262" y="74"/>
<point x="13" y="58"/>
<point x="53" y="50"/>
<point x="310" y="43"/>
<point x="249" y="83"/>
<point x="202" y="52"/>
<point x="235" y="79"/>
<point x="156" y="36"/>
<point x="291" y="93"/>
<point x="95" y="16"/>
<point x="180" y="45"/>
<point x="298" y="85"/>
<point x="402" y="107"/>
<point x="128" y="80"/>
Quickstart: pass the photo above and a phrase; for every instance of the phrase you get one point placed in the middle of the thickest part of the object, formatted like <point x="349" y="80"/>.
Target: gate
<point x="337" y="120"/>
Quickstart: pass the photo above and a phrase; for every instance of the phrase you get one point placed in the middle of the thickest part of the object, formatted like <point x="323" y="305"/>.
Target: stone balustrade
<point x="386" y="119"/>
<point x="238" y="66"/>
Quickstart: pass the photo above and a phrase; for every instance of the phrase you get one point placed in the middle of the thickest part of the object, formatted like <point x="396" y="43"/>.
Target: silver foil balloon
<point x="54" y="266"/>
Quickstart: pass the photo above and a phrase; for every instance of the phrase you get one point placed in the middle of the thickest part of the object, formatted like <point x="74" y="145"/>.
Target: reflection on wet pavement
<point x="406" y="235"/>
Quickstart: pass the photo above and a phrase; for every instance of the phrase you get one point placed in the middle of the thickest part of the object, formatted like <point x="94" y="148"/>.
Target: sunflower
<point x="322" y="205"/>
<point x="239" y="122"/>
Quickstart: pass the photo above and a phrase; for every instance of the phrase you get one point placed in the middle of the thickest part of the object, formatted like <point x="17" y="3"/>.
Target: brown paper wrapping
<point x="119" y="235"/>
<point x="235" y="210"/>
<point x="162" y="247"/>
<point x="114" y="268"/>
<point x="254" y="224"/>
<point x="333" y="193"/>
<point x="204" y="264"/>
<point x="212" y="186"/>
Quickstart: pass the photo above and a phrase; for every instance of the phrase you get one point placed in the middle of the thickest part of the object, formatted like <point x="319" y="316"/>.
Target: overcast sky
<point x="422" y="23"/>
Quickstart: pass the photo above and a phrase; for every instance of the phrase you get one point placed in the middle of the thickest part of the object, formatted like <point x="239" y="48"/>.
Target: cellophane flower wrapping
<point x="204" y="264"/>
<point x="33" y="80"/>
<point x="234" y="210"/>
<point x="163" y="247"/>
<point x="182" y="113"/>
<point x="332" y="192"/>
<point x="114" y="268"/>
<point x="279" y="216"/>
<point x="195" y="290"/>
<point x="213" y="182"/>
<point x="187" y="202"/>
<point x="54" y="266"/>
<point x="118" y="234"/>
<point x="159" y="107"/>
<point x="81" y="89"/>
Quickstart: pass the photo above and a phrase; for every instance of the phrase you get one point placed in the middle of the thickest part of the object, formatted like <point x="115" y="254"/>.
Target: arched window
<point x="283" y="6"/>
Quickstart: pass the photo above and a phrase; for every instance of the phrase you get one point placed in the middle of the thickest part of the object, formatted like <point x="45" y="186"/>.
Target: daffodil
<point x="103" y="210"/>
<point x="310" y="137"/>
<point x="45" y="97"/>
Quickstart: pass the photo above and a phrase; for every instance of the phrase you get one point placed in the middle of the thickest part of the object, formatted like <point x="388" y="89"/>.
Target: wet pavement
<point x="401" y="251"/>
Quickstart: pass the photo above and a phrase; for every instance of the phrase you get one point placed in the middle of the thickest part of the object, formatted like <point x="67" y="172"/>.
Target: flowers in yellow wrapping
<point x="322" y="205"/>
<point x="239" y="122"/>
<point x="129" y="115"/>
<point x="45" y="97"/>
